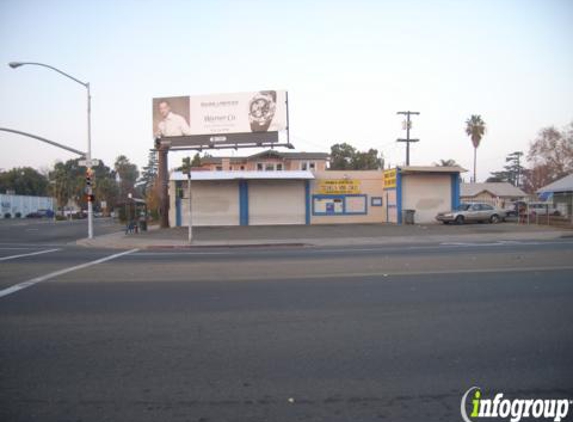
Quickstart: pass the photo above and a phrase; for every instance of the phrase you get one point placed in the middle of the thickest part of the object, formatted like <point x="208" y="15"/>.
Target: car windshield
<point x="463" y="207"/>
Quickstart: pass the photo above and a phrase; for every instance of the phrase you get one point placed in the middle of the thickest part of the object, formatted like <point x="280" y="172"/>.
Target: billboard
<point x="222" y="118"/>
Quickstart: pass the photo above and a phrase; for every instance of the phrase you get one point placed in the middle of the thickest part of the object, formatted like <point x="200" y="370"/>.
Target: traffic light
<point x="89" y="177"/>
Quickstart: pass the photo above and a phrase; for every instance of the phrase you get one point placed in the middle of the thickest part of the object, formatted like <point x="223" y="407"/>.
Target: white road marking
<point x="6" y="258"/>
<point x="18" y="248"/>
<point x="20" y="286"/>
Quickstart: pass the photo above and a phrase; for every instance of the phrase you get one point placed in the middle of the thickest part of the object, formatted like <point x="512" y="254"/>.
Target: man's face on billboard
<point x="164" y="109"/>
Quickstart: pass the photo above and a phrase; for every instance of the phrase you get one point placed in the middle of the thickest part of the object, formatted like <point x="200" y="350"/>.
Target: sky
<point x="348" y="67"/>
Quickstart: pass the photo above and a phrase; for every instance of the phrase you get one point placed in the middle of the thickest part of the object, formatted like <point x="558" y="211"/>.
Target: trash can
<point x="143" y="225"/>
<point x="409" y="216"/>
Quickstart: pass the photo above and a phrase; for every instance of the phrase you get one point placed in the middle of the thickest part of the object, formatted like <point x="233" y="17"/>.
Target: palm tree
<point x="475" y="129"/>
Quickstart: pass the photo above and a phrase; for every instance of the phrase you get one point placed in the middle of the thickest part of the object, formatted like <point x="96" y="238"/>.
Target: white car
<point x="467" y="212"/>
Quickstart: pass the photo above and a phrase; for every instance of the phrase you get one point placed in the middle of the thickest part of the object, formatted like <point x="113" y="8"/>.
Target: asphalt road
<point x="47" y="231"/>
<point x="287" y="334"/>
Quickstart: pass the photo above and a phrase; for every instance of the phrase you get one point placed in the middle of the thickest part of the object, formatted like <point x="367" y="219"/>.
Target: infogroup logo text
<point x="513" y="409"/>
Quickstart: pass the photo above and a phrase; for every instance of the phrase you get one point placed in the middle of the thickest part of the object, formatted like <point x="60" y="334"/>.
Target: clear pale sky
<point x="348" y="66"/>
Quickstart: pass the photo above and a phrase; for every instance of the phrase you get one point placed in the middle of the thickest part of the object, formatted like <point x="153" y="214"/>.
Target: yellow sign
<point x="338" y="186"/>
<point x="389" y="178"/>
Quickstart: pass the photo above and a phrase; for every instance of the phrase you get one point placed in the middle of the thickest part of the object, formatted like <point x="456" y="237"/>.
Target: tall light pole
<point x="86" y="85"/>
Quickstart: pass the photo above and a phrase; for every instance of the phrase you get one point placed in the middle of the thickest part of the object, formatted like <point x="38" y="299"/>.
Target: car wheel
<point x="460" y="219"/>
<point x="494" y="219"/>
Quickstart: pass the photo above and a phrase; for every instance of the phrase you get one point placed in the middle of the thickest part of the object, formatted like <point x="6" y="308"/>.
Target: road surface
<point x="285" y="334"/>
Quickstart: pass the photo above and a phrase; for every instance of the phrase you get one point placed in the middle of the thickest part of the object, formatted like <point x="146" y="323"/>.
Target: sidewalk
<point x="325" y="235"/>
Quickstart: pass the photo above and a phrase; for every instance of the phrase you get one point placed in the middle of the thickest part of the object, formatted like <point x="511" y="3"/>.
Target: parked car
<point x="467" y="212"/>
<point x="537" y="208"/>
<point x="41" y="214"/>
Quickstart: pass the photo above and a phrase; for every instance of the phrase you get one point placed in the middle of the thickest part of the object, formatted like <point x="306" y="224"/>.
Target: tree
<point x="341" y="156"/>
<point x="24" y="181"/>
<point x="128" y="175"/>
<point x="346" y="157"/>
<point x="446" y="163"/>
<point x="475" y="129"/>
<point x="187" y="163"/>
<point x="68" y="182"/>
<point x="149" y="173"/>
<point x="551" y="153"/>
<point x="511" y="172"/>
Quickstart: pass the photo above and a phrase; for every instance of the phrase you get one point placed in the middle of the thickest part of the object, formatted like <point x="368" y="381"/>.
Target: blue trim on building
<point x="307" y="202"/>
<point x="455" y="190"/>
<point x="343" y="198"/>
<point x="399" y="196"/>
<point x="178" y="212"/>
<point x="243" y="203"/>
<point x="178" y="204"/>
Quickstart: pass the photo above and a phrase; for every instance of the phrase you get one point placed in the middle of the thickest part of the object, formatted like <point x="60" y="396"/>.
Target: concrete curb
<point x="120" y="241"/>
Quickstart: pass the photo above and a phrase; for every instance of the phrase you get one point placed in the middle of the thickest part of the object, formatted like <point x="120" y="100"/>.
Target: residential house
<point x="270" y="160"/>
<point x="500" y="194"/>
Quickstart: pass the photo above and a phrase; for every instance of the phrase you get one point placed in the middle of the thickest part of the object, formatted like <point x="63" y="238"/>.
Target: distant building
<point x="23" y="205"/>
<point x="500" y="194"/>
<point x="270" y="160"/>
<point x="560" y="193"/>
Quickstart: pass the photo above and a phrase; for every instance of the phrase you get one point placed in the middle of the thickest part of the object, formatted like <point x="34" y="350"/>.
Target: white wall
<point x="24" y="204"/>
<point x="212" y="204"/>
<point x="276" y="202"/>
<point x="428" y="194"/>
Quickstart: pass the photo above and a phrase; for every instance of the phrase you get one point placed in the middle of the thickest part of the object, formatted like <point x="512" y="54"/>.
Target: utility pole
<point x="408" y="127"/>
<point x="190" y="229"/>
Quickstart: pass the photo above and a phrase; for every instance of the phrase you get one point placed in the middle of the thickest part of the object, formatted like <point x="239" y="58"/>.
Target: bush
<point x="7" y="215"/>
<point x="61" y="218"/>
<point x="18" y="215"/>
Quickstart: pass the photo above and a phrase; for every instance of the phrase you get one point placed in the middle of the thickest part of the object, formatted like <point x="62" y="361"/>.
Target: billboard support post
<point x="163" y="175"/>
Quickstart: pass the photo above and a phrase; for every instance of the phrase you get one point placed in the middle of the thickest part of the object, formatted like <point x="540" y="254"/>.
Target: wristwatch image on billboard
<point x="262" y="109"/>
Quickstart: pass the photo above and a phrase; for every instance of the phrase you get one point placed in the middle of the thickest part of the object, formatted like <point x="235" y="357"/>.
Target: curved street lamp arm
<point x="14" y="65"/>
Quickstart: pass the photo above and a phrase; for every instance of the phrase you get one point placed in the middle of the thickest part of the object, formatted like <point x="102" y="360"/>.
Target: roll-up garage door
<point x="213" y="204"/>
<point x="276" y="202"/>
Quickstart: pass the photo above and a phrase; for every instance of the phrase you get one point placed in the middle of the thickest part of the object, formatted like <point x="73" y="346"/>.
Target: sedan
<point x="479" y="212"/>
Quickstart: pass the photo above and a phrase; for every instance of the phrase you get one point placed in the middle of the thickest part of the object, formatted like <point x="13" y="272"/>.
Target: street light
<point x="86" y="85"/>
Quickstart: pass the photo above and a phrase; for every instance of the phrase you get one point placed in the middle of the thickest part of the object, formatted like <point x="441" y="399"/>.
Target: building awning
<point x="244" y="175"/>
<point x="430" y="169"/>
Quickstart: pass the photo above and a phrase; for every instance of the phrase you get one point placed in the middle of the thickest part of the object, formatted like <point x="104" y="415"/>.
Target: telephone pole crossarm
<point x="408" y="125"/>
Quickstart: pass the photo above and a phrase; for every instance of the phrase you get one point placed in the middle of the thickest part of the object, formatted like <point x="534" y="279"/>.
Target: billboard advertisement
<point x="221" y="118"/>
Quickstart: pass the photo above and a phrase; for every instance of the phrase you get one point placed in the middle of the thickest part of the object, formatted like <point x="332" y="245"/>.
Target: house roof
<point x="500" y="189"/>
<point x="564" y="184"/>
<point x="268" y="154"/>
<point x="242" y="175"/>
